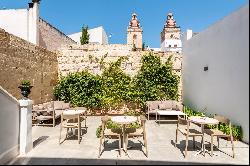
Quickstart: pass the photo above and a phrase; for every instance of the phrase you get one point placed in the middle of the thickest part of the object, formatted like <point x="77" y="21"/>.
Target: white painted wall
<point x="21" y="22"/>
<point x="96" y="35"/>
<point x="224" y="88"/>
<point x="171" y="42"/>
<point x="33" y="18"/>
<point x="9" y="126"/>
<point x="15" y="22"/>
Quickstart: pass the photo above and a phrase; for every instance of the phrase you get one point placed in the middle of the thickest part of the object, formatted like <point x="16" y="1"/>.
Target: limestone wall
<point x="80" y="57"/>
<point x="51" y="38"/>
<point x="20" y="60"/>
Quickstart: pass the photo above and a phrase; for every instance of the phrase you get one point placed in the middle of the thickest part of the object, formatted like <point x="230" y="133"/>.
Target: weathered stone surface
<point x="51" y="38"/>
<point x="20" y="60"/>
<point x="87" y="57"/>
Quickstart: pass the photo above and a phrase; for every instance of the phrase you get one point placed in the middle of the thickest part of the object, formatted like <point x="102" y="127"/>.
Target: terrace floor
<point x="161" y="148"/>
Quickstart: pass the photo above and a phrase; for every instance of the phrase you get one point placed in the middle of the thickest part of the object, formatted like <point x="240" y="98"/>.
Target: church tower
<point x="134" y="33"/>
<point x="170" y="35"/>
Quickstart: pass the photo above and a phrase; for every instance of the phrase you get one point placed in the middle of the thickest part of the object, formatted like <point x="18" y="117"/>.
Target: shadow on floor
<point x="39" y="140"/>
<point x="74" y="161"/>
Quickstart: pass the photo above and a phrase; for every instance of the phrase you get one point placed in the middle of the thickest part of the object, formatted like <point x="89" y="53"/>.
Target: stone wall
<point x="51" y="38"/>
<point x="80" y="57"/>
<point x="23" y="60"/>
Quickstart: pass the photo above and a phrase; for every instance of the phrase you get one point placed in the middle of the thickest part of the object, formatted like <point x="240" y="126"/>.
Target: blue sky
<point x="114" y="15"/>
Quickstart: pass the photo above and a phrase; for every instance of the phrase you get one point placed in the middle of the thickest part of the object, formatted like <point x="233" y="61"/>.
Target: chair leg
<point x="194" y="142"/>
<point x="218" y="141"/>
<point x="120" y="147"/>
<point x="104" y="142"/>
<point x="232" y="142"/>
<point x="212" y="145"/>
<point x="176" y="137"/>
<point x="54" y="122"/>
<point x="100" y="147"/>
<point x="60" y="133"/>
<point x="79" y="132"/>
<point x="67" y="133"/>
<point x="186" y="146"/>
<point x="126" y="139"/>
<point x="145" y="143"/>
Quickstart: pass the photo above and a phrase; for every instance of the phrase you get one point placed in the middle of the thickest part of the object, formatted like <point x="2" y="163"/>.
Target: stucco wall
<point x="51" y="38"/>
<point x="15" y="21"/>
<point x="9" y="127"/>
<point x="23" y="60"/>
<point x="224" y="87"/>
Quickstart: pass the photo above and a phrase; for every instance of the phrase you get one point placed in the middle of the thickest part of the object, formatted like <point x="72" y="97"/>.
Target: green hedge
<point x="113" y="88"/>
<point x="236" y="130"/>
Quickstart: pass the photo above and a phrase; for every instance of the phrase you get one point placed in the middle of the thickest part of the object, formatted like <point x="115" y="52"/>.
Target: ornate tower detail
<point x="170" y="35"/>
<point x="134" y="32"/>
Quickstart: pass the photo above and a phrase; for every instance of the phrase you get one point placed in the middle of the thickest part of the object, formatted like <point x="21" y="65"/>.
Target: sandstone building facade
<point x="171" y="35"/>
<point x="134" y="33"/>
<point x="21" y="60"/>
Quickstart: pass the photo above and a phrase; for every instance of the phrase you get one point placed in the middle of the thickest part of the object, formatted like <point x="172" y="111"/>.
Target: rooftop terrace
<point x="161" y="148"/>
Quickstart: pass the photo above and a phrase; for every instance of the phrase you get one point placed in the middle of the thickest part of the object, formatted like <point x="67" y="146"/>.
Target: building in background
<point x="96" y="35"/>
<point x="27" y="24"/>
<point x="171" y="36"/>
<point x="134" y="32"/>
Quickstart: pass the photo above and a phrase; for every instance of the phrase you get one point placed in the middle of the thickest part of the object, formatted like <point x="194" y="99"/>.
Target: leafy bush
<point x="154" y="81"/>
<point x="25" y="83"/>
<point x="115" y="85"/>
<point x="80" y="89"/>
<point x="236" y="130"/>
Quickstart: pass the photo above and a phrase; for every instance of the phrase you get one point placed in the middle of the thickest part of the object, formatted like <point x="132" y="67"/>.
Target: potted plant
<point x="25" y="88"/>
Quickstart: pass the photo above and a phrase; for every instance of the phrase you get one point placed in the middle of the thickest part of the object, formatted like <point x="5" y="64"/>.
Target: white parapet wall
<point x="15" y="21"/>
<point x="222" y="87"/>
<point x="9" y="127"/>
<point x="96" y="35"/>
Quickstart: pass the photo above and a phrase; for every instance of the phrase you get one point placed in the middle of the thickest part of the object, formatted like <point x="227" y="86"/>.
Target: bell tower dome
<point x="134" y="32"/>
<point x="170" y="35"/>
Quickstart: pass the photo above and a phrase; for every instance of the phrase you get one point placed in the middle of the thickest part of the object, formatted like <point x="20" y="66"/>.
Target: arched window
<point x="134" y="39"/>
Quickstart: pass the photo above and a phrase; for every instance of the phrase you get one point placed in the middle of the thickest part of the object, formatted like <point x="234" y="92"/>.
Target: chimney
<point x="189" y="34"/>
<point x="33" y="32"/>
<point x="31" y="5"/>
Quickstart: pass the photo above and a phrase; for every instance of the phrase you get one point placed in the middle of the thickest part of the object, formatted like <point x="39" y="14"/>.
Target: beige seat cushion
<point x="40" y="106"/>
<point x="168" y="104"/>
<point x="163" y="106"/>
<point x="177" y="106"/>
<point x="58" y="105"/>
<point x="65" y="106"/>
<point x="154" y="105"/>
<point x="58" y="112"/>
<point x="42" y="117"/>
